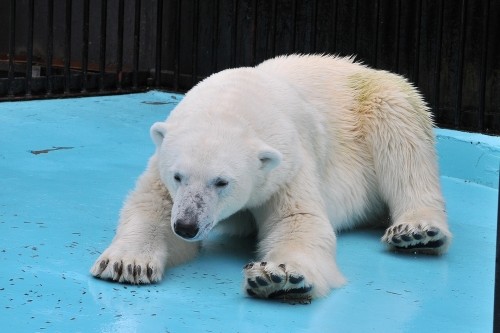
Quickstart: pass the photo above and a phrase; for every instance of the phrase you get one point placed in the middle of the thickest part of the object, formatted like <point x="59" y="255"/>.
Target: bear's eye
<point x="220" y="183"/>
<point x="177" y="177"/>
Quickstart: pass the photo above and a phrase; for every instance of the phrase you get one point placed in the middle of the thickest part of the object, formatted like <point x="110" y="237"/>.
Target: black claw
<point x="395" y="240"/>
<point x="103" y="265"/>
<point x="260" y="280"/>
<point x="406" y="238"/>
<point x="282" y="266"/>
<point x="432" y="232"/>
<point x="149" y="272"/>
<point x="139" y="269"/>
<point x="248" y="266"/>
<point x="275" y="278"/>
<point x="264" y="263"/>
<point x="251" y="292"/>
<point x="118" y="268"/>
<point x="295" y="279"/>
<point x="252" y="283"/>
<point x="130" y="270"/>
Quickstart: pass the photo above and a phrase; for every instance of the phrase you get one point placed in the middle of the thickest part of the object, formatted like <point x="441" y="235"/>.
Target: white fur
<point x="309" y="145"/>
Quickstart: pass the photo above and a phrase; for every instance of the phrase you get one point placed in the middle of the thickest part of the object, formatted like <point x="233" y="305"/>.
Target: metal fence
<point x="449" y="49"/>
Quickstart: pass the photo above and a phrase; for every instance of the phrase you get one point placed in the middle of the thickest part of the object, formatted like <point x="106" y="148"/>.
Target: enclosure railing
<point x="64" y="69"/>
<point x="54" y="48"/>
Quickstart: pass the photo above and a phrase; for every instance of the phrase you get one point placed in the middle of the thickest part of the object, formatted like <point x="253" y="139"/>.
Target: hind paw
<point x="420" y="238"/>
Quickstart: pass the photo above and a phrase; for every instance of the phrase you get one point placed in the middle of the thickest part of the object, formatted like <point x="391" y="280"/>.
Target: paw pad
<point x="420" y="238"/>
<point x="268" y="280"/>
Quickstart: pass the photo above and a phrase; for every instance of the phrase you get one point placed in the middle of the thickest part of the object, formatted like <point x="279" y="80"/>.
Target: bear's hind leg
<point x="407" y="174"/>
<point x="420" y="232"/>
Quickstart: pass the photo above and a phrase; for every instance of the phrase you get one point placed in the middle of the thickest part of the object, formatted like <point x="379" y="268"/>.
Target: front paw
<point x="128" y="265"/>
<point x="278" y="281"/>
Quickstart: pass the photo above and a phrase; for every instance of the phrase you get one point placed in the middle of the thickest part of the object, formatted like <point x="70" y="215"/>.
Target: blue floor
<point x="66" y="166"/>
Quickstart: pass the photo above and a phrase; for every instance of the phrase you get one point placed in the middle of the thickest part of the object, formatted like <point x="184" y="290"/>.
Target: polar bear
<point x="293" y="151"/>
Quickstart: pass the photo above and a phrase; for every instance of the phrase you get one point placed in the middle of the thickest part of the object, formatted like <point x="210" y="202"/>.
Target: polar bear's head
<point x="211" y="173"/>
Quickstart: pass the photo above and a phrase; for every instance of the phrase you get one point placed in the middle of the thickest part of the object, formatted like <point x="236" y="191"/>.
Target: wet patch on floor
<point x="45" y="151"/>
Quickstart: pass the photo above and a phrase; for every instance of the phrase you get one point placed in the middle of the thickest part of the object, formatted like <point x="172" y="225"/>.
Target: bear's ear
<point x="269" y="158"/>
<point x="158" y="132"/>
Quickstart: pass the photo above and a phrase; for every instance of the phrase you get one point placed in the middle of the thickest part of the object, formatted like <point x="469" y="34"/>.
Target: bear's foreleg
<point x="144" y="244"/>
<point x="296" y="252"/>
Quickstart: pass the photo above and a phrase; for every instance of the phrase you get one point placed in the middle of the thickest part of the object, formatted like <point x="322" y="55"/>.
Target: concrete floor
<point x="66" y="166"/>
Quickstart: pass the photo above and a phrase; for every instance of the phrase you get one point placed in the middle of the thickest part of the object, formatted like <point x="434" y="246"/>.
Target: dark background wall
<point x="448" y="48"/>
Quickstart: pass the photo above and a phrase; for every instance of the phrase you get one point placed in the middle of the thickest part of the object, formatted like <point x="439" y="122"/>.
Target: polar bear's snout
<point x="186" y="228"/>
<point x="191" y="223"/>
<point x="193" y="213"/>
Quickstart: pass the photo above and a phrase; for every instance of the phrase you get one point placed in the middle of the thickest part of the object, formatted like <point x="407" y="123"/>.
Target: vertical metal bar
<point x="375" y="46"/>
<point x="12" y="46"/>
<point x="484" y="57"/>
<point x="137" y="34"/>
<point x="398" y="33"/>
<point x="314" y="25"/>
<point x="460" y="65"/>
<point x="234" y="34"/>
<point x="85" y="45"/>
<point x="215" y="36"/>
<point x="194" y="63"/>
<point x="437" y="72"/>
<point x="119" y="46"/>
<point x="294" y="25"/>
<point x="334" y="28"/>
<point x="29" y="48"/>
<point x="254" y="31"/>
<point x="50" y="46"/>
<point x="416" y="60"/>
<point x="67" y="48"/>
<point x="102" y="46"/>
<point x="272" y="47"/>
<point x="159" y="24"/>
<point x="177" y="42"/>
<point x="355" y="29"/>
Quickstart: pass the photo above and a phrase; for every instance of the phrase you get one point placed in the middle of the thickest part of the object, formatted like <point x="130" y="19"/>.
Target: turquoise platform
<point x="66" y="166"/>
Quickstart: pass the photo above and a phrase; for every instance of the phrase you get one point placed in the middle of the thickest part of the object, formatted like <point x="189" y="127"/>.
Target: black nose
<point x="186" y="229"/>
